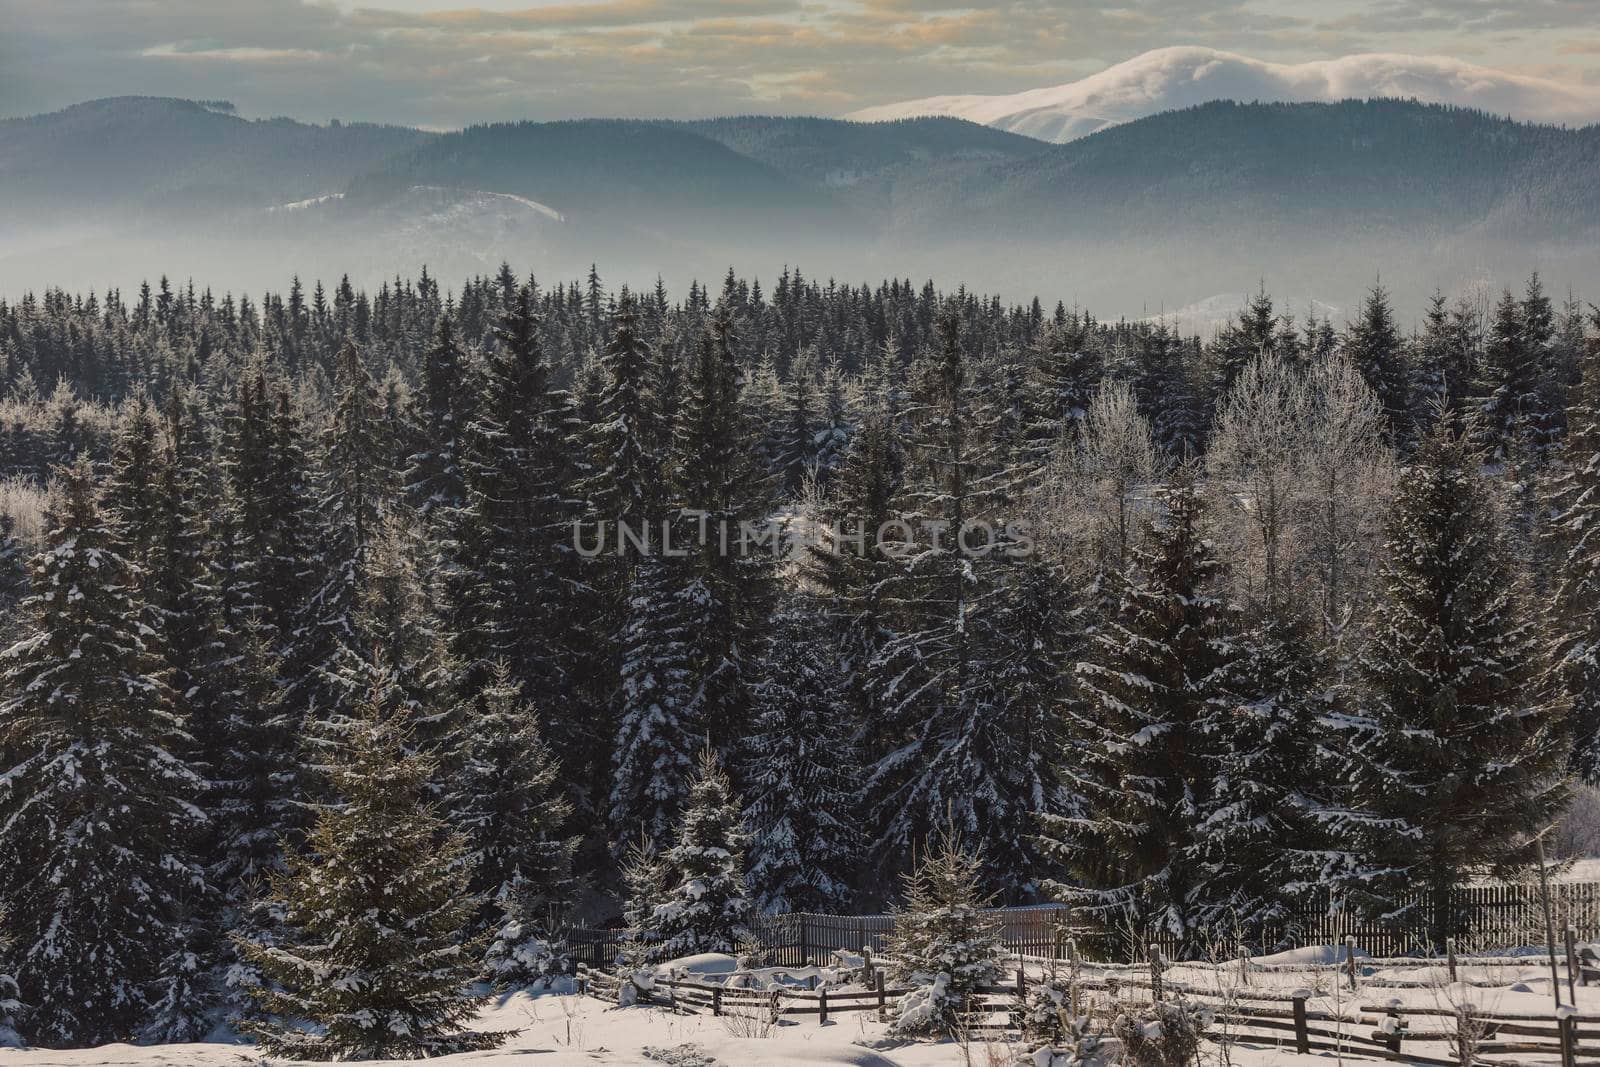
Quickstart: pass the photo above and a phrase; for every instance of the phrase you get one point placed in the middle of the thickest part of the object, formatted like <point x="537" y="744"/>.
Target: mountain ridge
<point x="1167" y="79"/>
<point x="1174" y="207"/>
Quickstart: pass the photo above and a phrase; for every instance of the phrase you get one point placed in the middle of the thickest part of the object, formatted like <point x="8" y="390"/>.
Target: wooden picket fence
<point x="796" y="939"/>
<point x="1498" y="915"/>
<point x="1492" y="916"/>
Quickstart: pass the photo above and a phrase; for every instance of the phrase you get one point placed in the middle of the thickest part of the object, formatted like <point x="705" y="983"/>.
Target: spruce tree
<point x="1459" y="750"/>
<point x="943" y="944"/>
<point x="1155" y="676"/>
<point x="356" y="476"/>
<point x="13" y="580"/>
<point x="1574" y="530"/>
<point x="657" y="729"/>
<point x="378" y="902"/>
<point x="1508" y="383"/>
<point x="434" y="476"/>
<point x="506" y="800"/>
<point x="1373" y="346"/>
<point x="644" y="887"/>
<point x="801" y="772"/>
<point x="515" y="588"/>
<point x="729" y="572"/>
<point x="1066" y="374"/>
<point x="952" y="734"/>
<point x="708" y="908"/>
<point x="97" y="814"/>
<point x="1258" y="843"/>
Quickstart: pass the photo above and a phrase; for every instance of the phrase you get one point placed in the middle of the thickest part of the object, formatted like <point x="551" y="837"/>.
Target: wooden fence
<point x="798" y="938"/>
<point x="1294" y="1021"/>
<point x="1489" y="916"/>
<point x="1492" y="916"/>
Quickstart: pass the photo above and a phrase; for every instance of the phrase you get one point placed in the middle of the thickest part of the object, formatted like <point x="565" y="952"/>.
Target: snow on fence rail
<point x="1490" y="916"/>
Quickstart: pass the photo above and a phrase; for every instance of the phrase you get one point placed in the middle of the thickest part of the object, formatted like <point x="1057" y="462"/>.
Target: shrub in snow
<point x="523" y="953"/>
<point x="1046" y="1012"/>
<point x="1079" y="1046"/>
<point x="1166" y="1034"/>
<point x="943" y="945"/>
<point x="708" y="909"/>
<point x="644" y="881"/>
<point x="378" y="967"/>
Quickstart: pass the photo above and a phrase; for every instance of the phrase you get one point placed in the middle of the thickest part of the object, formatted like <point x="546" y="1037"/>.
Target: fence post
<point x="1466" y="1035"/>
<point x="1350" y="957"/>
<point x="822" y="1005"/>
<point x="1072" y="976"/>
<point x="1244" y="965"/>
<point x="1155" y="974"/>
<point x="1393" y="1037"/>
<point x="1572" y="965"/>
<point x="883" y="1004"/>
<point x="1569" y="1040"/>
<point x="1022" y="981"/>
<point x="716" y="1001"/>
<point x="1302" y="1037"/>
<point x="805" y="939"/>
<point x="1450" y="956"/>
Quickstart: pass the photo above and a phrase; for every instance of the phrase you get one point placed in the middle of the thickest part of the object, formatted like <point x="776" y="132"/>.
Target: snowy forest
<point x="323" y="606"/>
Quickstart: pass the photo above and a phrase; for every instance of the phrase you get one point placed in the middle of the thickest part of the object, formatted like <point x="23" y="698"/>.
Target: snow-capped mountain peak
<point x="1169" y="78"/>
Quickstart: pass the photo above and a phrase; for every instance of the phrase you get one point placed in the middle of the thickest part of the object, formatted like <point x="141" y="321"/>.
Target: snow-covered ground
<point x="579" y="1031"/>
<point x="569" y="1030"/>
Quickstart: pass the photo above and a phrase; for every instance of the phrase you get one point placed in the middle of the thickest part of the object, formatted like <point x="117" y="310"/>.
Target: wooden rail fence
<point x="1287" y="1020"/>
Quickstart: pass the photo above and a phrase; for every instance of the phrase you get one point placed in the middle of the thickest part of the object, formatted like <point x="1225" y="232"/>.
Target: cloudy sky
<point x="441" y="63"/>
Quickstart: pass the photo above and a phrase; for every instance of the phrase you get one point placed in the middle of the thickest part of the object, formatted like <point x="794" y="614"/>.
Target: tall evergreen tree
<point x="506" y="800"/>
<point x="1259" y="843"/>
<point x="801" y="772"/>
<point x="1372" y="344"/>
<point x="657" y="725"/>
<point x="1458" y="749"/>
<point x="1574" y="610"/>
<point x="729" y="570"/>
<point x="378" y="902"/>
<point x="434" y="475"/>
<point x="1154" y="678"/>
<point x="708" y="908"/>
<point x="1508" y="383"/>
<point x="97" y="813"/>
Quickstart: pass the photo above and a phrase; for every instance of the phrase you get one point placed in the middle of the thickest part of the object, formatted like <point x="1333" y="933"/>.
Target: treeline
<point x="1263" y="611"/>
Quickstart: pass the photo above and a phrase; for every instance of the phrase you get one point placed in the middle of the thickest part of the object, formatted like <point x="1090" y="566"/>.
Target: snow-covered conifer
<point x="801" y="771"/>
<point x="1459" y="748"/>
<point x="97" y="814"/>
<point x="708" y="908"/>
<point x="1152" y="679"/>
<point x="943" y="944"/>
<point x="378" y="901"/>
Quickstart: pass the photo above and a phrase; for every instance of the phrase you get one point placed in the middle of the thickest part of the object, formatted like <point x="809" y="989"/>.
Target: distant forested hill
<point x="140" y="152"/>
<point x="1178" y="206"/>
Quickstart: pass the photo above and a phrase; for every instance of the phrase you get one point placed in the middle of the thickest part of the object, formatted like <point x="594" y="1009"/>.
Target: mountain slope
<point x="1172" y="78"/>
<point x="606" y="171"/>
<point x="157" y="153"/>
<point x="1379" y="166"/>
